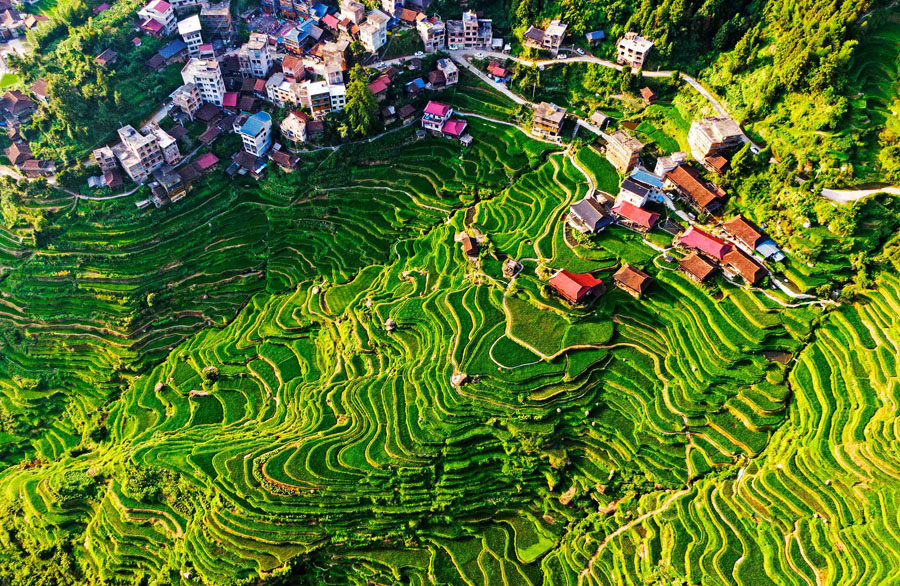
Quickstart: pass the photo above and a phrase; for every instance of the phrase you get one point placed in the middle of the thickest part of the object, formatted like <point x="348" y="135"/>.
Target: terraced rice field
<point x="259" y="417"/>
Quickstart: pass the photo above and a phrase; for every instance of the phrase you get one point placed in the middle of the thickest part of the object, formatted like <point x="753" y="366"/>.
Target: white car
<point x="580" y="51"/>
<point x="479" y="55"/>
<point x="561" y="56"/>
<point x="420" y="54"/>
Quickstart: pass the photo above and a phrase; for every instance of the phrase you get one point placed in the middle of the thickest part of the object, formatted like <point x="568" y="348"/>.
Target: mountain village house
<point x="714" y="135"/>
<point x="623" y="151"/>
<point x="548" y="120"/>
<point x="633" y="281"/>
<point x="550" y="39"/>
<point x="632" y="50"/>
<point x="576" y="287"/>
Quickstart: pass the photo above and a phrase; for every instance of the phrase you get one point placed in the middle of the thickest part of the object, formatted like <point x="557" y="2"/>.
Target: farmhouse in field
<point x="633" y="217"/>
<point x="588" y="216"/>
<point x="437" y="120"/>
<point x="696" y="239"/>
<point x="633" y="281"/>
<point x="576" y="287"/>
<point x="469" y="246"/>
<point x="697" y="268"/>
<point x="693" y="190"/>
<point x="749" y="234"/>
<point x="744" y="265"/>
<point x="548" y="119"/>
<point x="623" y="151"/>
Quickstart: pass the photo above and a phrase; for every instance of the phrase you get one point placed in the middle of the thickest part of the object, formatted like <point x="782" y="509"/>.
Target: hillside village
<point x="276" y="90"/>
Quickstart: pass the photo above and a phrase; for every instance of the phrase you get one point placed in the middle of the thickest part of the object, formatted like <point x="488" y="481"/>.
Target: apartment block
<point x="158" y="18"/>
<point x="470" y="32"/>
<point x="167" y="144"/>
<point x="216" y="20"/>
<point x="257" y="133"/>
<point x="281" y="91"/>
<point x="187" y="97"/>
<point x="293" y="127"/>
<point x="139" y="154"/>
<point x="433" y="33"/>
<point x="256" y="56"/>
<point x="353" y="10"/>
<point x="191" y="31"/>
<point x="373" y="32"/>
<point x="207" y="76"/>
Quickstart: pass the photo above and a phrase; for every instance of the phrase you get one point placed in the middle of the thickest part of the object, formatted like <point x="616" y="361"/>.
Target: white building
<point x="373" y="32"/>
<point x="191" y="32"/>
<point x="353" y="10"/>
<point x="257" y="133"/>
<point x="632" y="50"/>
<point x="207" y="76"/>
<point x="256" y="56"/>
<point x="161" y="12"/>
<point x="321" y="98"/>
<point x="293" y="127"/>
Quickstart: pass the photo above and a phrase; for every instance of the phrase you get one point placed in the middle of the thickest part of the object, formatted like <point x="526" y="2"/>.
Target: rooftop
<point x="549" y="111"/>
<point x="255" y="123"/>
<point x="189" y="25"/>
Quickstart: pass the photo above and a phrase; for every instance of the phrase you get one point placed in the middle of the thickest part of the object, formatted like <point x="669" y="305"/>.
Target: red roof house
<point x="704" y="242"/>
<point x="437" y="109"/>
<point x="454" y="127"/>
<point x="379" y="86"/>
<point x="230" y="100"/>
<point x="330" y="21"/>
<point x="152" y="26"/>
<point x="207" y="162"/>
<point x="634" y="216"/>
<point x="575" y="287"/>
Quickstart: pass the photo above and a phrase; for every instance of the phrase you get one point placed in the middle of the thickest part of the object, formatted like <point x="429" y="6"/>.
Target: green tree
<point x="361" y="102"/>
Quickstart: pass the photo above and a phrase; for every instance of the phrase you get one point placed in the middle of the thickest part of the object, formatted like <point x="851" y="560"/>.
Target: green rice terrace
<point x="305" y="381"/>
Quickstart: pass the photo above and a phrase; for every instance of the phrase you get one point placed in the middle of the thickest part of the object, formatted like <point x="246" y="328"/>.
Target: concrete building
<point x="161" y="18"/>
<point x="257" y="133"/>
<point x="207" y="76"/>
<point x="106" y="159"/>
<point x="321" y="98"/>
<point x="470" y="32"/>
<point x="256" y="56"/>
<point x="392" y="7"/>
<point x="450" y="71"/>
<point x="550" y="39"/>
<point x="191" y="31"/>
<point x="548" y="119"/>
<point x="353" y="10"/>
<point x="181" y="6"/>
<point x="623" y="151"/>
<point x="139" y="154"/>
<point x="281" y="91"/>
<point x="167" y="144"/>
<point x="432" y="32"/>
<point x="632" y="50"/>
<point x="714" y="135"/>
<point x="187" y="97"/>
<point x="373" y="32"/>
<point x="293" y="127"/>
<point x="216" y="20"/>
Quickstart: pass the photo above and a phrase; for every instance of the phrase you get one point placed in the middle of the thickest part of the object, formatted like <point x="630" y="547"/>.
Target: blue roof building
<point x="173" y="49"/>
<point x="769" y="250"/>
<point x="256" y="133"/>
<point x="595" y="36"/>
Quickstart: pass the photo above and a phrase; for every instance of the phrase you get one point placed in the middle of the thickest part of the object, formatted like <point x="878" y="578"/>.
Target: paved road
<point x="851" y="195"/>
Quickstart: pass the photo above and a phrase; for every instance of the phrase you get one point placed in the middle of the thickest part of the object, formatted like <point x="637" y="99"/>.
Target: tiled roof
<point x="704" y="242"/>
<point x="635" y="214"/>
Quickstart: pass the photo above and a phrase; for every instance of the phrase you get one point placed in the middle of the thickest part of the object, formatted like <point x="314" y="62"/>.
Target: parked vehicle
<point x="580" y="51"/>
<point x="561" y="56"/>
